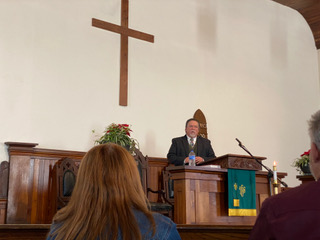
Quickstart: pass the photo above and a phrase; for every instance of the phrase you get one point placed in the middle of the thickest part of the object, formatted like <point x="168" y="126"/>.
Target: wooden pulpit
<point x="201" y="192"/>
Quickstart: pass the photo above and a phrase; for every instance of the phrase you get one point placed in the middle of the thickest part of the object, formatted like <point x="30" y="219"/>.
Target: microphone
<point x="240" y="144"/>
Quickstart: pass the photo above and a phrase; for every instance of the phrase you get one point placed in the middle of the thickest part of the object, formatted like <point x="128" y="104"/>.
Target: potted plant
<point x="119" y="134"/>
<point x="302" y="163"/>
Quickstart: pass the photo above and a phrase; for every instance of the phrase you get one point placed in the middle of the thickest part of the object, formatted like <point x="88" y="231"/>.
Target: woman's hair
<point x="107" y="189"/>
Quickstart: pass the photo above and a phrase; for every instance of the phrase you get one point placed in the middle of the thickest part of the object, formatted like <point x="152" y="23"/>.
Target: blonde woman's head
<point x="107" y="189"/>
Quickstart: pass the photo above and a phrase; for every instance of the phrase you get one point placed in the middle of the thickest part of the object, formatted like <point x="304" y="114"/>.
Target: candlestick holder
<point x="275" y="186"/>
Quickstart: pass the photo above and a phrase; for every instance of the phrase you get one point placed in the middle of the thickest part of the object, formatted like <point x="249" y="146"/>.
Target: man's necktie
<point x="191" y="142"/>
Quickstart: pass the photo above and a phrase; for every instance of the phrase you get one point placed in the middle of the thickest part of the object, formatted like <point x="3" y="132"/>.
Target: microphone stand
<point x="270" y="173"/>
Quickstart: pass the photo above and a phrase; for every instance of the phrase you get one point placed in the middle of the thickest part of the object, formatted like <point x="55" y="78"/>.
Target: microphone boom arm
<point x="270" y="173"/>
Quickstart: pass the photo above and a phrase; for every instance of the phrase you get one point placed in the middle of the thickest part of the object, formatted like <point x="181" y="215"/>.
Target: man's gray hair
<point x="192" y="119"/>
<point x="314" y="129"/>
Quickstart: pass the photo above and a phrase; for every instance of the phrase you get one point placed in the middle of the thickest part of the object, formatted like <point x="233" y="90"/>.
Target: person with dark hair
<point x="180" y="148"/>
<point x="108" y="202"/>
<point x="294" y="213"/>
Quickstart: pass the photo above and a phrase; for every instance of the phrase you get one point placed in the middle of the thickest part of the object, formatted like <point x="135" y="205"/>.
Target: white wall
<point x="250" y="66"/>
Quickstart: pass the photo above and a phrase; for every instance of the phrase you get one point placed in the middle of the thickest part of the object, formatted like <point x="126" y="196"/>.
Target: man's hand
<point x="186" y="160"/>
<point x="199" y="160"/>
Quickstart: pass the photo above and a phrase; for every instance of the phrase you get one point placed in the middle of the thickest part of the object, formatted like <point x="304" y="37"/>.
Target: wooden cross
<point x="125" y="32"/>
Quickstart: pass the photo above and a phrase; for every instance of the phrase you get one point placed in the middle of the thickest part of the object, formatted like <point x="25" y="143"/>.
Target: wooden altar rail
<point x="187" y="232"/>
<point x="32" y="191"/>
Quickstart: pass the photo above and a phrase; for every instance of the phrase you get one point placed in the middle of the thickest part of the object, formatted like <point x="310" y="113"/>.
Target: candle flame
<point x="274" y="163"/>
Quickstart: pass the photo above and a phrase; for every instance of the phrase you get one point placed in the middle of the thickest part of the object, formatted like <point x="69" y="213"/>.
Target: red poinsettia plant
<point x="303" y="161"/>
<point x="119" y="134"/>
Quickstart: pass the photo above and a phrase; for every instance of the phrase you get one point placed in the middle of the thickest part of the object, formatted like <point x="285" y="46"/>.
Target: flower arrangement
<point x="119" y="134"/>
<point x="302" y="162"/>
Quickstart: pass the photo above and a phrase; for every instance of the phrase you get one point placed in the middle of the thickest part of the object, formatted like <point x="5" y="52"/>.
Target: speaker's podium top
<point x="236" y="161"/>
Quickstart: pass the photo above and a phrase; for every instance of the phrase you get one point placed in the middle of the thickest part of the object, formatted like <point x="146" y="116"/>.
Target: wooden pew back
<point x="4" y="175"/>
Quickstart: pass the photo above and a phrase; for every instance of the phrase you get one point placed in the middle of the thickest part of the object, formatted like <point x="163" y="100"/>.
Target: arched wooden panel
<point x="203" y="123"/>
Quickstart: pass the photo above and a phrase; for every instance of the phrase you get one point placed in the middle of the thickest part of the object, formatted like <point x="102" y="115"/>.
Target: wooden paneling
<point x="32" y="193"/>
<point x="187" y="232"/>
<point x="4" y="175"/>
<point x="4" y="178"/>
<point x="310" y="10"/>
<point x="201" y="196"/>
<point x="202" y="122"/>
<point x="24" y="231"/>
<point x="209" y="232"/>
<point x="3" y="210"/>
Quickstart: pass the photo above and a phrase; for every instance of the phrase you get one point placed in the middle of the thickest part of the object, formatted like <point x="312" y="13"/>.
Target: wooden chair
<point x="167" y="194"/>
<point x="66" y="174"/>
<point x="142" y="165"/>
<point x="168" y="185"/>
<point x="162" y="206"/>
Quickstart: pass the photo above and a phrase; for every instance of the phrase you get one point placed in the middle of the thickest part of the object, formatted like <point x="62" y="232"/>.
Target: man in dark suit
<point x="180" y="148"/>
<point x="295" y="213"/>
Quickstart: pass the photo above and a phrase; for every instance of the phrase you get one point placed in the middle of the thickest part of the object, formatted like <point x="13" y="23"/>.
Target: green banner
<point x="242" y="192"/>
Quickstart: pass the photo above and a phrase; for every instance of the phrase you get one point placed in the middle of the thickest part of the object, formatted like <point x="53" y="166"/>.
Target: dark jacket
<point x="179" y="149"/>
<point x="293" y="214"/>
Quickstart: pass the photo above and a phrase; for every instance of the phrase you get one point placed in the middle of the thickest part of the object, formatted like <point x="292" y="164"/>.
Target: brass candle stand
<point x="275" y="186"/>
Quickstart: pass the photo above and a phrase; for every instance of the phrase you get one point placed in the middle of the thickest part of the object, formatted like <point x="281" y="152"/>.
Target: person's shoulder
<point x="305" y="195"/>
<point x="54" y="227"/>
<point x="164" y="227"/>
<point x="179" y="138"/>
<point x="161" y="219"/>
<point x="202" y="139"/>
<point x="303" y="190"/>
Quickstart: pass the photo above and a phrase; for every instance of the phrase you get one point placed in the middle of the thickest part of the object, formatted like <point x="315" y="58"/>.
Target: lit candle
<point x="274" y="171"/>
